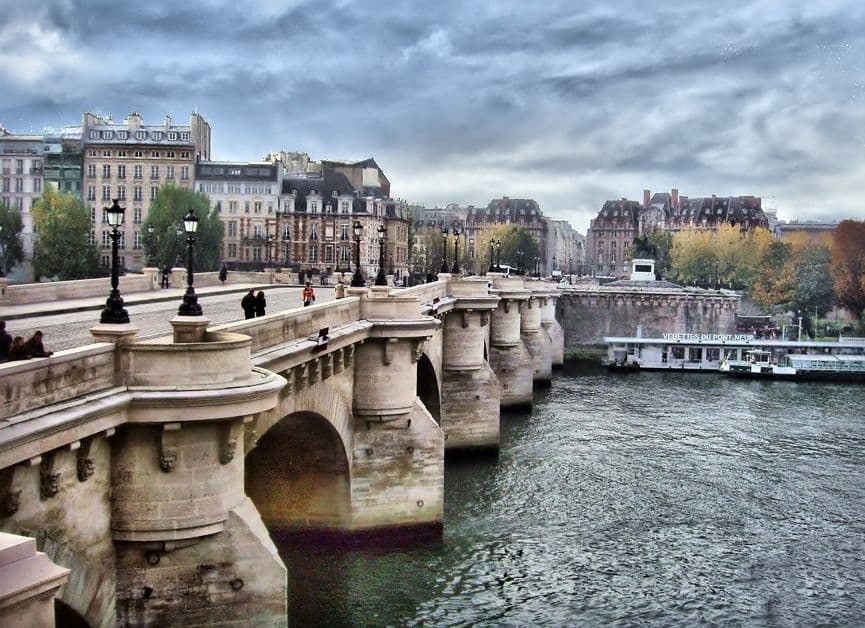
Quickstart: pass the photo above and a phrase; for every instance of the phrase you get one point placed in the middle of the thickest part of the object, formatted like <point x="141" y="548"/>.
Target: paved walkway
<point x="50" y="308"/>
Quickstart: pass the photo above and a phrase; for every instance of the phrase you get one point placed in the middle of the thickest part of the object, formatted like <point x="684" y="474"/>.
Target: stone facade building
<point x="130" y="161"/>
<point x="21" y="180"/>
<point x="246" y="197"/>
<point x="524" y="212"/>
<point x="566" y="247"/>
<point x="612" y="232"/>
<point x="317" y="211"/>
<point x="63" y="159"/>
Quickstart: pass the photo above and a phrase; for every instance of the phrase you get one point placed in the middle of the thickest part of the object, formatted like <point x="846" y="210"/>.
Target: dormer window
<point x="94" y="135"/>
<point x="172" y="135"/>
<point x="141" y="135"/>
<point x="334" y="194"/>
<point x="122" y="135"/>
<point x="184" y="136"/>
<point x="157" y="135"/>
<point x="108" y="135"/>
<point x="312" y="192"/>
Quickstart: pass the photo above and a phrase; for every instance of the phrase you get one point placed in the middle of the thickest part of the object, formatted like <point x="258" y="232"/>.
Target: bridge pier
<point x="512" y="363"/>
<point x="535" y="341"/>
<point x="470" y="390"/>
<point x="397" y="455"/>
<point x="552" y="328"/>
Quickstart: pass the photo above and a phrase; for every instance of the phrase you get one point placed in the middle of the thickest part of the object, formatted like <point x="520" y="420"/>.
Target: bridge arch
<point x="298" y="470"/>
<point x="428" y="388"/>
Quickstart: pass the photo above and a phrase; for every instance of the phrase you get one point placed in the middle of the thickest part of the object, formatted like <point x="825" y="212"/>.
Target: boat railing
<point x="853" y="339"/>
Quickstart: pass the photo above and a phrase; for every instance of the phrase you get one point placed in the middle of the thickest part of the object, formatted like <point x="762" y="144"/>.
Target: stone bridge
<point x="154" y="470"/>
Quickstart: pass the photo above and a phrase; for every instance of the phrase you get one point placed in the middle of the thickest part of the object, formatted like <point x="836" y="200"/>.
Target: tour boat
<point x="760" y="363"/>
<point x="757" y="363"/>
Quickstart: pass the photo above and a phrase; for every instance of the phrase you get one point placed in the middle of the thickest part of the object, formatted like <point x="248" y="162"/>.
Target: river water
<point x="641" y="499"/>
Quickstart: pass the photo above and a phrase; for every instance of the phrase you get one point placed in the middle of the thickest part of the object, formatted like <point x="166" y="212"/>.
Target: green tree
<point x="167" y="244"/>
<point x="773" y="284"/>
<point x="656" y="245"/>
<point x="11" y="250"/>
<point x="813" y="291"/>
<point x="62" y="223"/>
<point x="514" y="238"/>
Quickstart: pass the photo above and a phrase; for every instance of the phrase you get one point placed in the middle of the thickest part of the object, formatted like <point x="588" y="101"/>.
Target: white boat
<point x="760" y="363"/>
<point x="757" y="363"/>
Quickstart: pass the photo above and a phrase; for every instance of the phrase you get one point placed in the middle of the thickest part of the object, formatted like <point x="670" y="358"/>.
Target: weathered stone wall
<point x="470" y="409"/>
<point x="70" y="518"/>
<point x="587" y="317"/>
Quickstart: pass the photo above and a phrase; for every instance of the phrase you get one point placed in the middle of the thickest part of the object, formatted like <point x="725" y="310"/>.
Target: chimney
<point x="674" y="201"/>
<point x="647" y="195"/>
<point x="133" y="120"/>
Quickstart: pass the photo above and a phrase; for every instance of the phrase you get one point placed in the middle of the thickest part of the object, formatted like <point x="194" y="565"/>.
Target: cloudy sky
<point x="570" y="103"/>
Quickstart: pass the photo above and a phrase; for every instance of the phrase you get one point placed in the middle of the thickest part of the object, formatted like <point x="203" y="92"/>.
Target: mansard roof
<point x="324" y="185"/>
<point x="620" y="211"/>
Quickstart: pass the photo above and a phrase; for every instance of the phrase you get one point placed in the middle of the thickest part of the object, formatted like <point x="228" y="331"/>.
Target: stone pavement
<point x="50" y="308"/>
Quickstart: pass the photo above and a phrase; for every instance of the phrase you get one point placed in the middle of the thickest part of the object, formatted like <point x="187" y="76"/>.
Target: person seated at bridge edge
<point x="35" y="348"/>
<point x="308" y="295"/>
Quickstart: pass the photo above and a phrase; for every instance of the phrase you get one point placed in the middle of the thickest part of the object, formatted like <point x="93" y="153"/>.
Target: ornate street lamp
<point x="114" y="314"/>
<point x="444" y="250"/>
<point x="381" y="278"/>
<point x="190" y="306"/>
<point x="357" y="279"/>
<point x="492" y="267"/>
<point x="286" y="236"/>
<point x="2" y="252"/>
<point x="554" y="264"/>
<point x="498" y="256"/>
<point x="150" y="257"/>
<point x="457" y="232"/>
<point x="537" y="266"/>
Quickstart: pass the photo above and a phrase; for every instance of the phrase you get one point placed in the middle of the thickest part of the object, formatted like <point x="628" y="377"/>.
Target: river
<point x="642" y="499"/>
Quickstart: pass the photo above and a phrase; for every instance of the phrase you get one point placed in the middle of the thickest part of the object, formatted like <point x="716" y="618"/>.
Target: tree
<point x="11" y="226"/>
<point x="656" y="245"/>
<point x="813" y="290"/>
<point x="848" y="265"/>
<point x="63" y="250"/>
<point x="773" y="284"/>
<point x="513" y="238"/>
<point x="168" y="242"/>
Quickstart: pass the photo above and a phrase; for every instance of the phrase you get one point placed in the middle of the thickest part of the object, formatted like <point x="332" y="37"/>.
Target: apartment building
<point x="21" y="180"/>
<point x="246" y="197"/>
<point x="130" y="161"/>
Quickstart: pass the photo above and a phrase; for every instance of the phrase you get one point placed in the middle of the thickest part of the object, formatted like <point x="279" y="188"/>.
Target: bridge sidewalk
<point x="50" y="308"/>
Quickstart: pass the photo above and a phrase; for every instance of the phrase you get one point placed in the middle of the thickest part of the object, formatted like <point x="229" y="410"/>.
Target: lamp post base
<point x="188" y="329"/>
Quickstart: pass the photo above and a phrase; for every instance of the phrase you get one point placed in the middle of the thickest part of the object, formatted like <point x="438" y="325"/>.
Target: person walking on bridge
<point x="308" y="295"/>
<point x="248" y="304"/>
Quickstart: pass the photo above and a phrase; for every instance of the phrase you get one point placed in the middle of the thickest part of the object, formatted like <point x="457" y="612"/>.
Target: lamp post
<point x="520" y="254"/>
<point x="381" y="278"/>
<point x="472" y="255"/>
<point x="2" y="252"/>
<point x="554" y="265"/>
<point x="444" y="268"/>
<point x="150" y="258"/>
<point x="190" y="306"/>
<point x="498" y="256"/>
<point x="457" y="233"/>
<point x="537" y="266"/>
<point x="286" y="236"/>
<point x="570" y="270"/>
<point x="114" y="312"/>
<point x="492" y="268"/>
<point x="357" y="278"/>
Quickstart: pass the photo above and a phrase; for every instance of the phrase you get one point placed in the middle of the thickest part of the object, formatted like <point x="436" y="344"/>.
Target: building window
<point x="184" y="173"/>
<point x="313" y="231"/>
<point x="106" y="239"/>
<point x="106" y="192"/>
<point x="343" y="207"/>
<point x="154" y="192"/>
<point x="328" y="253"/>
<point x="94" y="135"/>
<point x="313" y="252"/>
<point x="108" y="135"/>
<point x="246" y="207"/>
<point x="313" y="207"/>
<point x="232" y="250"/>
<point x="169" y="172"/>
<point x="257" y="207"/>
<point x="343" y="232"/>
<point x="256" y="230"/>
<point x="37" y="185"/>
<point x="106" y="171"/>
<point x="91" y="239"/>
<point x="136" y="243"/>
<point x="172" y="135"/>
<point x="232" y="227"/>
<point x="104" y="216"/>
<point x="139" y="154"/>
<point x="232" y="207"/>
<point x="91" y="192"/>
<point x="19" y="185"/>
<point x="154" y="172"/>
<point x="184" y="135"/>
<point x="91" y="171"/>
<point x="121" y="192"/>
<point x="256" y="254"/>
<point x="170" y="154"/>
<point x="136" y="213"/>
<point x="123" y="135"/>
<point x="136" y="193"/>
<point x="157" y="135"/>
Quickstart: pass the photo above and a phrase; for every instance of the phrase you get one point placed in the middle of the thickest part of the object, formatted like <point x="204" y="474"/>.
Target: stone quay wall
<point x="587" y="316"/>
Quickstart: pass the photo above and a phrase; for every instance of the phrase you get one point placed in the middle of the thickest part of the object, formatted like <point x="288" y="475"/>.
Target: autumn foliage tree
<point x="848" y="265"/>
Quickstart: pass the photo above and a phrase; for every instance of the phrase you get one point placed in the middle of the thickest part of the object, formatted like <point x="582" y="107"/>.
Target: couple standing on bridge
<point x="253" y="304"/>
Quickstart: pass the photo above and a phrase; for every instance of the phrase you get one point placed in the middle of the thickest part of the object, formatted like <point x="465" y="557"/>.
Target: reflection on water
<point x="637" y="499"/>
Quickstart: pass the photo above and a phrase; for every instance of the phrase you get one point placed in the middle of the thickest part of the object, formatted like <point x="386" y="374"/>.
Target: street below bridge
<point x="67" y="330"/>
